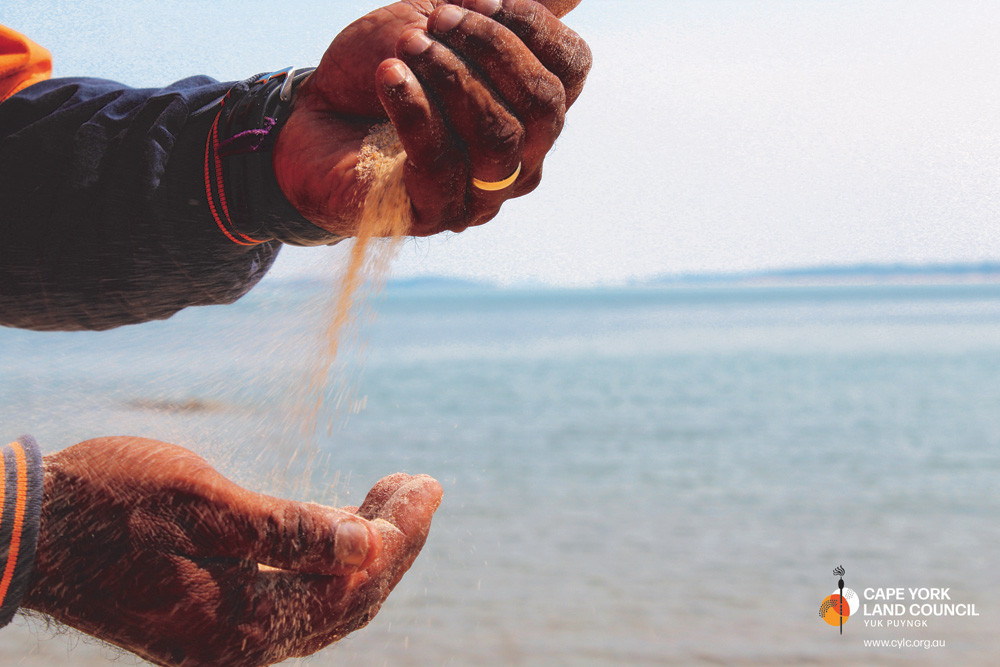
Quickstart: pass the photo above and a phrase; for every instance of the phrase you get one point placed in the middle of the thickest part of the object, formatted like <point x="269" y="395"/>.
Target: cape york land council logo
<point x="894" y="608"/>
<point x="838" y="606"/>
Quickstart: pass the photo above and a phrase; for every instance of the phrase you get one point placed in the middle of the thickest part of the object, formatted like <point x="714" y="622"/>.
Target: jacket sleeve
<point x="21" y="505"/>
<point x="121" y="205"/>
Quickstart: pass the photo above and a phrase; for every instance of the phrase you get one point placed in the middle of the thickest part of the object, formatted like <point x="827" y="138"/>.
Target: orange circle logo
<point x="835" y="609"/>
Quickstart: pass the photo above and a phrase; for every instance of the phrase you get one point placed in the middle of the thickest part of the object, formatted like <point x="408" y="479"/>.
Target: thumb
<point x="218" y="519"/>
<point x="303" y="537"/>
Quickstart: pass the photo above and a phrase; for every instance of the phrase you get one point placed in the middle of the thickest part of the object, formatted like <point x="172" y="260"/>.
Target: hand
<point x="468" y="99"/>
<point x="145" y="546"/>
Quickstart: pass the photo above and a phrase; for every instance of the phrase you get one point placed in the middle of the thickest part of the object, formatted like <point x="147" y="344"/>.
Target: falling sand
<point x="384" y="222"/>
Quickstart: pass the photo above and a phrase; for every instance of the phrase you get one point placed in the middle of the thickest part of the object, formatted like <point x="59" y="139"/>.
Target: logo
<point x="837" y="607"/>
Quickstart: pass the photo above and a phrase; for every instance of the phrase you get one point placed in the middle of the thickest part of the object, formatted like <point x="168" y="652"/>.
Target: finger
<point x="402" y="510"/>
<point x="381" y="493"/>
<point x="534" y="94"/>
<point x="560" y="7"/>
<point x="410" y="507"/>
<point x="560" y="50"/>
<point x="401" y="507"/>
<point x="492" y="136"/>
<point x="436" y="168"/>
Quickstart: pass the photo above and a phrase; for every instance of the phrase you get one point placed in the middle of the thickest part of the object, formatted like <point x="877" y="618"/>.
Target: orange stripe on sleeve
<point x="22" y="62"/>
<point x="15" y="536"/>
<point x="3" y="489"/>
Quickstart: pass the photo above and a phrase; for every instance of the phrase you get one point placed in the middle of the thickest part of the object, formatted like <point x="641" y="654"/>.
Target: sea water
<point x="632" y="476"/>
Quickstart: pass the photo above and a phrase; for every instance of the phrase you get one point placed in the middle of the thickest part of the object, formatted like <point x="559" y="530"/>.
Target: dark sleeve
<point x="117" y="205"/>
<point x="21" y="489"/>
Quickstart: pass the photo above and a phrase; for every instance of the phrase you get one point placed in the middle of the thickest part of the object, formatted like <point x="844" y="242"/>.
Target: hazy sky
<point x="712" y="136"/>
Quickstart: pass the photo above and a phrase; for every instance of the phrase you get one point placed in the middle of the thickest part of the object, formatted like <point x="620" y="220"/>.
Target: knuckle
<point x="479" y="34"/>
<point x="441" y="68"/>
<point x="548" y="128"/>
<point x="485" y="216"/>
<point x="575" y="62"/>
<point x="533" y="14"/>
<point x="582" y="57"/>
<point x="547" y="106"/>
<point x="437" y="208"/>
<point x="502" y="138"/>
<point x="528" y="183"/>
<point x="547" y="93"/>
<point x="586" y="57"/>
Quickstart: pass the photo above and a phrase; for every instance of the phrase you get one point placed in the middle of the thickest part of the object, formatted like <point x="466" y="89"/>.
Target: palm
<point x="145" y="546"/>
<point x="335" y="109"/>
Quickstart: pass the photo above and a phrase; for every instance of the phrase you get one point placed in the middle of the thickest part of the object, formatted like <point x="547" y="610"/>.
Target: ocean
<point x="643" y="476"/>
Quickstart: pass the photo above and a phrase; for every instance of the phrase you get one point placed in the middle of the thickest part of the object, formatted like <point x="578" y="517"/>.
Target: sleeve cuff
<point x="243" y="193"/>
<point x="21" y="504"/>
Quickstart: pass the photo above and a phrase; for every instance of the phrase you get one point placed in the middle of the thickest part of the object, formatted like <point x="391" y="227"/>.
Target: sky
<point x="712" y="136"/>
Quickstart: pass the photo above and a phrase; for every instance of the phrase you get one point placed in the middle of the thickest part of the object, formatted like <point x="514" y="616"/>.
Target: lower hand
<point x="469" y="99"/>
<point x="144" y="545"/>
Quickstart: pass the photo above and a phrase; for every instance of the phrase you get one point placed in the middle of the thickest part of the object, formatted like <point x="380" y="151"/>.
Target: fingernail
<point x="395" y="75"/>
<point x="350" y="543"/>
<point x="417" y="44"/>
<point x="484" y="7"/>
<point x="448" y="18"/>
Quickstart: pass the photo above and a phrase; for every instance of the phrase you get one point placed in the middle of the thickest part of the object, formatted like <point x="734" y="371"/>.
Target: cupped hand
<point x="474" y="88"/>
<point x="144" y="545"/>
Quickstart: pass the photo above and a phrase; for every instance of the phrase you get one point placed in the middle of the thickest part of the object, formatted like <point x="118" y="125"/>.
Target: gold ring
<point x="493" y="186"/>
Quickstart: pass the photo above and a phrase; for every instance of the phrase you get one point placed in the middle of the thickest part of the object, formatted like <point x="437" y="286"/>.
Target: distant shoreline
<point x="976" y="273"/>
<point x="853" y="274"/>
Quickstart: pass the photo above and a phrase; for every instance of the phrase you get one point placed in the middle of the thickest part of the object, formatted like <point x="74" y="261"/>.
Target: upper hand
<point x="144" y="545"/>
<point x="468" y="99"/>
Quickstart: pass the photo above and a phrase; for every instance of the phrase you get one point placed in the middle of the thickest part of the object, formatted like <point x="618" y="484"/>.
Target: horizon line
<point x="882" y="270"/>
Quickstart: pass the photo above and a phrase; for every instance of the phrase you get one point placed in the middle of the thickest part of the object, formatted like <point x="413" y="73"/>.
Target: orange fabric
<point x="20" y="500"/>
<point x="22" y="62"/>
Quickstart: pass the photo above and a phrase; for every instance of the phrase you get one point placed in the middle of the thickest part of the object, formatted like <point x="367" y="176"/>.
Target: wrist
<point x="248" y="204"/>
<point x="22" y="491"/>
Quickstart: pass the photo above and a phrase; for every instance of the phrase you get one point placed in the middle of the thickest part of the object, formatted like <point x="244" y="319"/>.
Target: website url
<point x="904" y="643"/>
